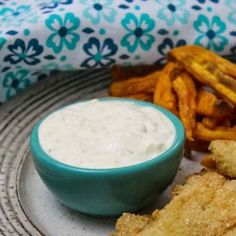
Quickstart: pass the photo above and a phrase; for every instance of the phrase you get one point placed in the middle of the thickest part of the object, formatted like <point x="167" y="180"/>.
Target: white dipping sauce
<point x="97" y="134"/>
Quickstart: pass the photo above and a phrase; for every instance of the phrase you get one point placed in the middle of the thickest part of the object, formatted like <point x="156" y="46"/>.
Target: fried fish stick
<point x="203" y="133"/>
<point x="204" y="206"/>
<point x="207" y="72"/>
<point x="148" y="97"/>
<point x="222" y="157"/>
<point x="183" y="95"/>
<point x="209" y="105"/>
<point x="131" y="224"/>
<point x="135" y="85"/>
<point x="164" y="95"/>
<point x="224" y="154"/>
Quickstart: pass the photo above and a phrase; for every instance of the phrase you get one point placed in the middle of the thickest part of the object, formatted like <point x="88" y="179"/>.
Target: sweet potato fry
<point x="209" y="105"/>
<point x="209" y="122"/>
<point x="148" y="97"/>
<point x="226" y="127"/>
<point x="233" y="119"/>
<point x="203" y="133"/>
<point x="197" y="145"/>
<point x="226" y="66"/>
<point x="196" y="84"/>
<point x="164" y="95"/>
<point x="225" y="123"/>
<point x="207" y="72"/>
<point x="187" y="102"/>
<point x="209" y="161"/>
<point x="192" y="92"/>
<point x="127" y="72"/>
<point x="135" y="85"/>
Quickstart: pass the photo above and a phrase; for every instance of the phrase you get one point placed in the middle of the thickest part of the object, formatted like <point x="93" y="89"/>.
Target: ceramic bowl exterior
<point x="108" y="192"/>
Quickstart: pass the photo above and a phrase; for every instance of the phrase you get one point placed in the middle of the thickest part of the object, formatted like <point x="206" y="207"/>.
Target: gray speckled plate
<point x="26" y="206"/>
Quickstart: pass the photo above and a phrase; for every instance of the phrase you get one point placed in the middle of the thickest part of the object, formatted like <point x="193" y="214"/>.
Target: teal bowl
<point x="110" y="192"/>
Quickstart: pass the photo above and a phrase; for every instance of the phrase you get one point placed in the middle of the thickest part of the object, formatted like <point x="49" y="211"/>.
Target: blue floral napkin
<point x="40" y="36"/>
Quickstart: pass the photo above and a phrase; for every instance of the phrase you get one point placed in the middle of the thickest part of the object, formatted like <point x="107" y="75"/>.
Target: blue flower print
<point x="2" y="2"/>
<point x="138" y="32"/>
<point x="22" y="52"/>
<point x="15" y="17"/>
<point x="173" y="11"/>
<point x="232" y="14"/>
<point x="166" y="46"/>
<point x="204" y="1"/>
<point x="2" y="42"/>
<point x="53" y="66"/>
<point x="64" y="32"/>
<point x="41" y="77"/>
<point x="56" y="67"/>
<point x="15" y="82"/>
<point x="99" y="54"/>
<point x="233" y="50"/>
<point x="52" y="3"/>
<point x="211" y="33"/>
<point x="99" y="9"/>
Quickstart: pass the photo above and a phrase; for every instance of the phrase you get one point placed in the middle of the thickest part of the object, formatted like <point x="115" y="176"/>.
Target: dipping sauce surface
<point x="105" y="134"/>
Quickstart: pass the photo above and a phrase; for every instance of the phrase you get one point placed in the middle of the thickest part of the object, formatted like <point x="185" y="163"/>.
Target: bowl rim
<point x="177" y="145"/>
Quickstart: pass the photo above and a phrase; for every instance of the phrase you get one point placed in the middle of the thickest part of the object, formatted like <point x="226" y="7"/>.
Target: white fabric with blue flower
<point x="40" y="36"/>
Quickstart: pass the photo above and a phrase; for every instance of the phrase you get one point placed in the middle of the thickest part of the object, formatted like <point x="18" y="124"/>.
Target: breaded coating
<point x="224" y="154"/>
<point x="205" y="205"/>
<point x="131" y="224"/>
